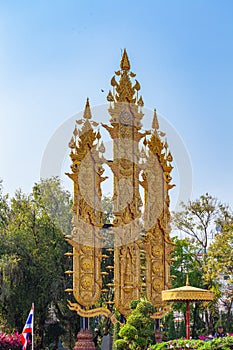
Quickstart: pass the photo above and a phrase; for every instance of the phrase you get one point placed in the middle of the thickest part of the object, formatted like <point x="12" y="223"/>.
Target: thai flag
<point x="28" y="328"/>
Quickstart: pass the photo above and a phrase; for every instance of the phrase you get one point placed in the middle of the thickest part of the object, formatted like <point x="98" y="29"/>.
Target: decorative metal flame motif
<point x="139" y="159"/>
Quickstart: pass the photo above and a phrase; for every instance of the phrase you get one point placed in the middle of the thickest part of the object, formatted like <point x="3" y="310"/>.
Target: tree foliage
<point x="201" y="222"/>
<point x="32" y="262"/>
<point x="185" y="264"/>
<point x="219" y="271"/>
<point x="198" y="220"/>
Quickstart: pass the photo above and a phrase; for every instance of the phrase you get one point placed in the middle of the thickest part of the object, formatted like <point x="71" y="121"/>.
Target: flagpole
<point x="33" y="327"/>
<point x="28" y="329"/>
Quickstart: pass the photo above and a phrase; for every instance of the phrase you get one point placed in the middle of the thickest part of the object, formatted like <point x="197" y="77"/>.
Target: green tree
<point x="169" y="330"/>
<point x="184" y="263"/>
<point x="219" y="271"/>
<point x="107" y="210"/>
<point x="104" y="326"/>
<point x="32" y="261"/>
<point x="199" y="221"/>
<point x="4" y="209"/>
<point x="56" y="202"/>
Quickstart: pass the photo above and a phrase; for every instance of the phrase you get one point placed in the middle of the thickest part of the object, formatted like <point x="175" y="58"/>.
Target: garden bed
<point x="183" y="344"/>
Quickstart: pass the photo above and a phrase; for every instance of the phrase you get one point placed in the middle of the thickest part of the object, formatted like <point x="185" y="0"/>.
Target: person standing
<point x="220" y="332"/>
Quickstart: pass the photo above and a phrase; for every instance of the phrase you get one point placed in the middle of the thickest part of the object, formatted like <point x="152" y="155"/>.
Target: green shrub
<point x="128" y="332"/>
<point x="133" y="304"/>
<point x="183" y="344"/>
<point x="121" y="344"/>
<point x="138" y="332"/>
<point x="145" y="308"/>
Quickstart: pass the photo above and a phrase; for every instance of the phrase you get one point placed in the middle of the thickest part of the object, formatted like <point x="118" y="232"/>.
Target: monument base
<point x="158" y="336"/>
<point x="84" y="340"/>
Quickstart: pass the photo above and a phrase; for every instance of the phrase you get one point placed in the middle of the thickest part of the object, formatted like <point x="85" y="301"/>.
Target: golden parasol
<point x="187" y="293"/>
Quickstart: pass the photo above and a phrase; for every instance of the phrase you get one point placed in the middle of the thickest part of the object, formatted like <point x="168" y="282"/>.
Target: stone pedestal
<point x="84" y="340"/>
<point x="158" y="336"/>
<point x="106" y="342"/>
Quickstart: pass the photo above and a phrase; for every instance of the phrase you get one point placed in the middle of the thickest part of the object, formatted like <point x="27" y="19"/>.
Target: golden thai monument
<point x="141" y="168"/>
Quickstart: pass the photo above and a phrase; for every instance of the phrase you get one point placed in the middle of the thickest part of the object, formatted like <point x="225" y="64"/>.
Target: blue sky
<point x="53" y="54"/>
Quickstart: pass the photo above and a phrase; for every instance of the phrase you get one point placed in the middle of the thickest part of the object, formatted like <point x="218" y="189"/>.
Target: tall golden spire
<point x="87" y="111"/>
<point x="125" y="65"/>
<point x="124" y="90"/>
<point x="155" y="123"/>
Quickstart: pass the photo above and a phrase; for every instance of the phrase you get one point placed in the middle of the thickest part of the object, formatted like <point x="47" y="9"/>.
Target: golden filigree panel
<point x="135" y="162"/>
<point x="87" y="281"/>
<point x="126" y="276"/>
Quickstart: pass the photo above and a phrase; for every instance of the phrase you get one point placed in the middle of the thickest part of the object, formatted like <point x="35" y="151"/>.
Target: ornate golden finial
<point x="155" y="123"/>
<point x="137" y="85"/>
<point x="76" y="131"/>
<point x="145" y="142"/>
<point x="187" y="280"/>
<point x="101" y="148"/>
<point x="98" y="136"/>
<point x="87" y="111"/>
<point x="140" y="102"/>
<point x="72" y="143"/>
<point x="110" y="97"/>
<point x="143" y="153"/>
<point x="124" y="90"/>
<point x="125" y="65"/>
<point x="169" y="157"/>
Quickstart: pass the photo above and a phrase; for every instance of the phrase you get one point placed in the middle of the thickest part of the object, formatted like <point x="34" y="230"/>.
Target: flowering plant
<point x="225" y="343"/>
<point x="10" y="341"/>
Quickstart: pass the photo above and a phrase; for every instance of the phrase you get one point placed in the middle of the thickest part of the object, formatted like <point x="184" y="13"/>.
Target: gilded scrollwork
<point x="141" y="160"/>
<point x="156" y="183"/>
<point x="87" y="171"/>
<point x="126" y="115"/>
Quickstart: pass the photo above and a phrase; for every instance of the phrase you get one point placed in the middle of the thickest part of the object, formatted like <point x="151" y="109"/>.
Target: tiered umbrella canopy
<point x="187" y="294"/>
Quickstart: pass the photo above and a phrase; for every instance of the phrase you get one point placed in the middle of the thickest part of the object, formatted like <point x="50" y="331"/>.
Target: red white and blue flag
<point x="28" y="328"/>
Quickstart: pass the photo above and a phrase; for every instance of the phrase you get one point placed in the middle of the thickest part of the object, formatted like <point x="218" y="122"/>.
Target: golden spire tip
<point x="125" y="64"/>
<point x="155" y="123"/>
<point x="187" y="280"/>
<point x="87" y="110"/>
